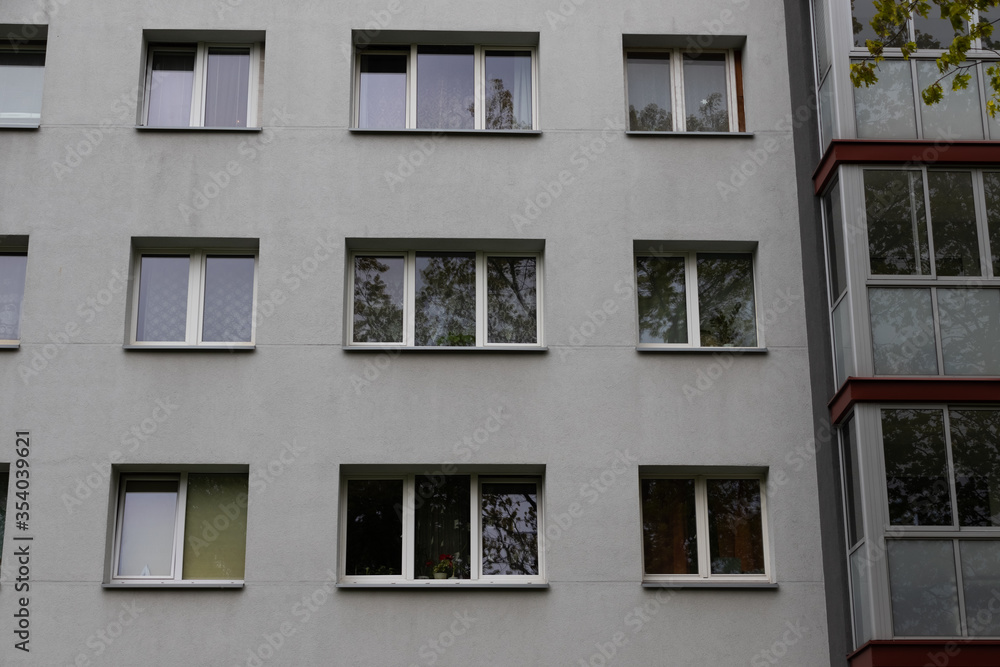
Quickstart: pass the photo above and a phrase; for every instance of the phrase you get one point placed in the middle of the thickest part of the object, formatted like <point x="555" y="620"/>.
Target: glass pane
<point x="510" y="528"/>
<point x="897" y="222"/>
<point x="374" y="527"/>
<point x="378" y="299"/>
<point x="21" y="77"/>
<point x="862" y="13"/>
<point x="215" y="526"/>
<point x="993" y="41"/>
<point x="706" y="103"/>
<point x="146" y="542"/>
<point x="932" y="32"/>
<point x="649" y="105"/>
<point x="884" y="110"/>
<point x="446" y="87"/>
<point x="446" y="299"/>
<point x="916" y="467"/>
<point x="903" y="340"/>
<point x="12" y="272"/>
<point x="227" y="85"/>
<point x="980" y="582"/>
<point x="735" y="528"/>
<point x="163" y="292"/>
<point x="959" y="114"/>
<point x="953" y="219"/>
<point x="970" y="329"/>
<point x="228" y="299"/>
<point x="821" y="22"/>
<point x="835" y="242"/>
<point x="991" y="182"/>
<point x="508" y="90"/>
<point x="382" y="101"/>
<point x="861" y="599"/>
<point x="843" y="344"/>
<point x="975" y="449"/>
<point x="512" y="312"/>
<point x="826" y="111"/>
<point x="669" y="533"/>
<point x="923" y="588"/>
<point x="725" y="300"/>
<point x="662" y="300"/>
<point x="852" y="478"/>
<point x="170" y="87"/>
<point x="442" y="526"/>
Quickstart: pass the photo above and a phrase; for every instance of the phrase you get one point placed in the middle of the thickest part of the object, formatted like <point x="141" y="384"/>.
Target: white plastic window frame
<point x="408" y="502"/>
<point x="195" y="299"/>
<point x="691" y="296"/>
<point x="15" y="251"/>
<point x="678" y="107"/>
<point x="409" y="300"/>
<point x="34" y="46"/>
<point x="479" y="54"/>
<point x="177" y="557"/>
<point x="702" y="536"/>
<point x="199" y="93"/>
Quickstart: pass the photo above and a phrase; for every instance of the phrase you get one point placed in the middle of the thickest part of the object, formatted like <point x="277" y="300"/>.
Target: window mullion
<point x="196" y="290"/>
<point x="677" y="82"/>
<point x="178" y="559"/>
<point x="410" y="305"/>
<point x="200" y="81"/>
<point x="960" y="586"/>
<point x="694" y="317"/>
<point x="479" y="82"/>
<point x="411" y="88"/>
<point x="734" y="121"/>
<point x="481" y="334"/>
<point x="936" y="326"/>
<point x="253" y="86"/>
<point x="701" y="521"/>
<point x="476" y="539"/>
<point x="409" y="503"/>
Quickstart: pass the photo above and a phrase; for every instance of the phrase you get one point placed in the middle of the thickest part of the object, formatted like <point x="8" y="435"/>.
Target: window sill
<point x="439" y="584"/>
<point x="444" y="348"/>
<point x="689" y="135"/>
<point x="180" y="128"/>
<point x="767" y="585"/>
<point x="174" y="584"/>
<point x="194" y="348"/>
<point x="20" y="126"/>
<point x="703" y="350"/>
<point x="422" y="130"/>
<point x="10" y="346"/>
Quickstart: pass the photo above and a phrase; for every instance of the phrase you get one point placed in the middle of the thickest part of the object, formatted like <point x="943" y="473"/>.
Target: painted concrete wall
<point x="314" y="185"/>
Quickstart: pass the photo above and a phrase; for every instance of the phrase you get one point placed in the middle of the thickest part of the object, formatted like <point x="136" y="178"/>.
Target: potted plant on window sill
<point x="444" y="567"/>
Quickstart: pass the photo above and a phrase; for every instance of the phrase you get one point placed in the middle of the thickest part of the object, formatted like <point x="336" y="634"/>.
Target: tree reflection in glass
<point x="735" y="529"/>
<point x="902" y="323"/>
<point x="953" y="215"/>
<point x="374" y="527"/>
<point x="916" y="467"/>
<point x="975" y="444"/>
<point x="705" y="99"/>
<point x="445" y="299"/>
<point x="510" y="528"/>
<point x="970" y="326"/>
<point x="649" y="105"/>
<point x="441" y="523"/>
<point x="511" y="307"/>
<point x="726" y="300"/>
<point x="991" y="183"/>
<point x="508" y="90"/>
<point x="446" y="87"/>
<point x="885" y="109"/>
<point x="923" y="588"/>
<point x="980" y="574"/>
<point x="897" y="222"/>
<point x="662" y="300"/>
<point x="378" y="299"/>
<point x="669" y="533"/>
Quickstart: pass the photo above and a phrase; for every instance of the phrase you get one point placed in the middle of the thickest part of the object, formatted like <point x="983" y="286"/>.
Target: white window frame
<point x="409" y="299"/>
<point x="702" y="537"/>
<point x="678" y="107"/>
<point x="691" y="297"/>
<point x="195" y="299"/>
<point x="408" y="576"/>
<point x="479" y="54"/>
<point x="18" y="251"/>
<point x="199" y="93"/>
<point x="177" y="557"/>
<point x="34" y="46"/>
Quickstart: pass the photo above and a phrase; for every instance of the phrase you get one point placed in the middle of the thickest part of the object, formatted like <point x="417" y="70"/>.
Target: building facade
<point x="905" y="368"/>
<point x="411" y="333"/>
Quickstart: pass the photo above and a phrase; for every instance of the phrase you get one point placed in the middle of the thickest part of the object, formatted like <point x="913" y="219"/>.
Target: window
<point x="703" y="527"/>
<point x="22" y="70"/>
<point x="202" y="85"/>
<point x="934" y="270"/>
<point x="672" y="90"/>
<point x="187" y="528"/>
<point x="194" y="298"/>
<point x="13" y="267"/>
<point x="446" y="299"/>
<point x="448" y="528"/>
<point x="942" y="519"/>
<point x="448" y="87"/>
<point x="4" y="482"/>
<point x="696" y="299"/>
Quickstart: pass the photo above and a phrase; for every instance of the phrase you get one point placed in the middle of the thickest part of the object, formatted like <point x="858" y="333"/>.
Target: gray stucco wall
<point x="310" y="187"/>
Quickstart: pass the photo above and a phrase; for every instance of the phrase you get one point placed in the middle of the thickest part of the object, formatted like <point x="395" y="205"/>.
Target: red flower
<point x="445" y="556"/>
<point x="428" y="563"/>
